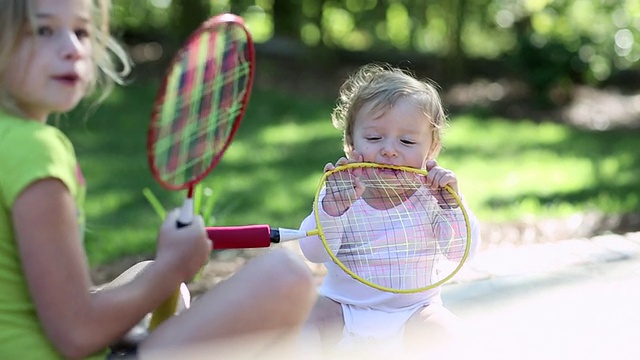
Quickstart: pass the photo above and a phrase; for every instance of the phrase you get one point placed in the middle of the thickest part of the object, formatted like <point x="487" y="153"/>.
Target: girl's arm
<point x="77" y="321"/>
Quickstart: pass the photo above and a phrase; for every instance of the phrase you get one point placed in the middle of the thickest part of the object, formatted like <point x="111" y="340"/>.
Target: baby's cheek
<point x="362" y="150"/>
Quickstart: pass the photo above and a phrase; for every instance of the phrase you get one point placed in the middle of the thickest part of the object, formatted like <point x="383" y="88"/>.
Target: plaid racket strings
<point x="403" y="239"/>
<point x="202" y="101"/>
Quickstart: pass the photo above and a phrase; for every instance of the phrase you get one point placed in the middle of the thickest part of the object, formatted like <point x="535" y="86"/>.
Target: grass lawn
<point x="508" y="170"/>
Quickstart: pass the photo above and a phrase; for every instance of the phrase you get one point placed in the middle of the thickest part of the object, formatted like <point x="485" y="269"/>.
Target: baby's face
<point x="397" y="135"/>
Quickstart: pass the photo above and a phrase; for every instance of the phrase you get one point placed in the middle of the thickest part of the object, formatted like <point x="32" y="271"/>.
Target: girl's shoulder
<point x="19" y="137"/>
<point x="29" y="151"/>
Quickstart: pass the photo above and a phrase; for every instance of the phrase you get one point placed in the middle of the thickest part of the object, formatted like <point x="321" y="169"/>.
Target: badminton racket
<point x="197" y="111"/>
<point x="394" y="234"/>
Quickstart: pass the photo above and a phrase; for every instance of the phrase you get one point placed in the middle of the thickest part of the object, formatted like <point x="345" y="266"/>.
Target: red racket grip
<point x="240" y="237"/>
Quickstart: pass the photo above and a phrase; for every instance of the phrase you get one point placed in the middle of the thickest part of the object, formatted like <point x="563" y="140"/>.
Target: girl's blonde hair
<point x="381" y="85"/>
<point x="16" y="14"/>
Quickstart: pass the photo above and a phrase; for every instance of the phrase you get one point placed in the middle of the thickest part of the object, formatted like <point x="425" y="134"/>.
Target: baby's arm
<point x="450" y="237"/>
<point x="474" y="224"/>
<point x="312" y="246"/>
<point x="451" y="231"/>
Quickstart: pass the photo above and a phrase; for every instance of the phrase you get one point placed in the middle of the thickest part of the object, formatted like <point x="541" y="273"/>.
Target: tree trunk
<point x="454" y="60"/>
<point x="285" y="19"/>
<point x="188" y="15"/>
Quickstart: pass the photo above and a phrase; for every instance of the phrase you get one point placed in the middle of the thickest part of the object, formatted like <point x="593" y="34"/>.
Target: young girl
<point x="52" y="54"/>
<point x="387" y="116"/>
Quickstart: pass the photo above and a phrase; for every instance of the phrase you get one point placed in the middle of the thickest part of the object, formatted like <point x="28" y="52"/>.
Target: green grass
<point x="508" y="170"/>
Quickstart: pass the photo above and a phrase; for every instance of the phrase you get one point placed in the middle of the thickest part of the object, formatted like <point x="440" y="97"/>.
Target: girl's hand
<point x="342" y="188"/>
<point x="436" y="179"/>
<point x="183" y="250"/>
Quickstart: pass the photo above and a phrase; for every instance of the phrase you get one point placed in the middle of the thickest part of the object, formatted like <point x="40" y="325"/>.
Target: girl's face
<point x="51" y="68"/>
<point x="397" y="135"/>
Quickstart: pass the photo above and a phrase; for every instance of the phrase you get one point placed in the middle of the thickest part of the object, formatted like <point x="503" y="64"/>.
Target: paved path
<point x="573" y="299"/>
<point x="570" y="299"/>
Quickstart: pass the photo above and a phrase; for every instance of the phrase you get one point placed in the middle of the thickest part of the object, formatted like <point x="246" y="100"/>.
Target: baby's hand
<point x="342" y="188"/>
<point x="185" y="250"/>
<point x="436" y="179"/>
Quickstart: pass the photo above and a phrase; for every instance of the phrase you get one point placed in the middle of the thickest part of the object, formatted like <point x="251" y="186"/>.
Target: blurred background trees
<point x="550" y="44"/>
<point x="544" y="96"/>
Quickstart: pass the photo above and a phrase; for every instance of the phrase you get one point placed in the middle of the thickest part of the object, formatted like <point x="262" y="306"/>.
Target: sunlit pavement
<point x="574" y="299"/>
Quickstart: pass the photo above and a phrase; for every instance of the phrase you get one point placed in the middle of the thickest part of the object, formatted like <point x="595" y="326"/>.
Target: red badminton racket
<point x="198" y="109"/>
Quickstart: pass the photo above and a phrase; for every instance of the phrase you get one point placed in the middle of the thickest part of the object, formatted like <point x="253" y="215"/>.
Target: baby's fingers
<point x="342" y="161"/>
<point x="329" y="167"/>
<point x="359" y="187"/>
<point x="355" y="157"/>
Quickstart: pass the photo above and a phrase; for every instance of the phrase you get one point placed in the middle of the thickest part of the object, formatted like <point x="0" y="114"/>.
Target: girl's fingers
<point x="172" y="215"/>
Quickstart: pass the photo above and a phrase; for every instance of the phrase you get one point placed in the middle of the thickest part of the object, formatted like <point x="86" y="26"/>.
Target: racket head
<point x="398" y="236"/>
<point x="201" y="101"/>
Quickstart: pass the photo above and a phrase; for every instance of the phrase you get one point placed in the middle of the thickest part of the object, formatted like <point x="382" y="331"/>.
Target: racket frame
<point x="208" y="25"/>
<point x="168" y="307"/>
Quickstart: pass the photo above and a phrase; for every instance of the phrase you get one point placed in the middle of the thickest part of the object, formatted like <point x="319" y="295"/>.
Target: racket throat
<point x="282" y="235"/>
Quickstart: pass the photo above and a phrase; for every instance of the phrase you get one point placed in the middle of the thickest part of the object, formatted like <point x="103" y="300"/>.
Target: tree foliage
<point x="560" y="41"/>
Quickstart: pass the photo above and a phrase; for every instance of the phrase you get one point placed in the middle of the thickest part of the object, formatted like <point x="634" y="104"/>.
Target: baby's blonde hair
<point x="381" y="85"/>
<point x="16" y="14"/>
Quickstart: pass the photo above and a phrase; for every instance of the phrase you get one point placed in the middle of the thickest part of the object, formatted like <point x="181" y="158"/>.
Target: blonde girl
<point x="53" y="53"/>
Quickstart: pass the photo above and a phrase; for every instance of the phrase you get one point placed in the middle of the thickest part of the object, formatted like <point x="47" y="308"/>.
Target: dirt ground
<point x="223" y="263"/>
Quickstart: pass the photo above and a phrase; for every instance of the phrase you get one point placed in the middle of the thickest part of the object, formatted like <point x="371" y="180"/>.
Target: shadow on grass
<point x="272" y="179"/>
<point x="614" y="158"/>
<point x="111" y="146"/>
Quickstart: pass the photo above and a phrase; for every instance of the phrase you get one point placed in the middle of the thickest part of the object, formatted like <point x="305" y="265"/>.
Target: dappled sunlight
<point x="259" y="24"/>
<point x="602" y="110"/>
<point x="293" y="132"/>
<point x="539" y="169"/>
<point x="467" y="132"/>
<point x="523" y="172"/>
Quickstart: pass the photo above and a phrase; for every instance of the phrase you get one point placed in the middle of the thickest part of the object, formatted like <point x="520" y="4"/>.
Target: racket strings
<point x="204" y="98"/>
<point x="398" y="235"/>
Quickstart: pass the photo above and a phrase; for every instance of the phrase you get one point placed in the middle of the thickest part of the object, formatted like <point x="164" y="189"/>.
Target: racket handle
<point x="239" y="237"/>
<point x="251" y="236"/>
<point x="169" y="306"/>
<point x="186" y="213"/>
<point x="164" y="311"/>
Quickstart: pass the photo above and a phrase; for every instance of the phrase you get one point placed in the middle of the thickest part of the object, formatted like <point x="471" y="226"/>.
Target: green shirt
<point x="29" y="151"/>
